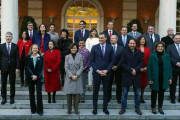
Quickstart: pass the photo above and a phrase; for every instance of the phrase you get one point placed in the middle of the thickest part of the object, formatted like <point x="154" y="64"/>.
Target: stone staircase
<point x="57" y="111"/>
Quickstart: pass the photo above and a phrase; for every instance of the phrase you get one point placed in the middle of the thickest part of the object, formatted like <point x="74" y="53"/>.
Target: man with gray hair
<point x="168" y="40"/>
<point x="9" y="66"/>
<point x="151" y="37"/>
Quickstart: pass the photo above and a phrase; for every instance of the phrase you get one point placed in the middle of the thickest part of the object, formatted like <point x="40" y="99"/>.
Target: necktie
<point x="114" y="50"/>
<point x="134" y="34"/>
<point x="178" y="49"/>
<point x="30" y="35"/>
<point x="124" y="41"/>
<point x="110" y="34"/>
<point x="151" y="39"/>
<point x="103" y="51"/>
<point x="82" y="34"/>
<point x="9" y="49"/>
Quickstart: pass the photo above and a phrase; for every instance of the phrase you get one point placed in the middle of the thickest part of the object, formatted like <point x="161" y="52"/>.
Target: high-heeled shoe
<point x="160" y="111"/>
<point x="154" y="111"/>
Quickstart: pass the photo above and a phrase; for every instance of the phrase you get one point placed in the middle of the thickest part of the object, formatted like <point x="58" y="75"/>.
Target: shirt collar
<point x="110" y="30"/>
<point x="8" y="43"/>
<point x="36" y="55"/>
<point x="114" y="45"/>
<point x="134" y="32"/>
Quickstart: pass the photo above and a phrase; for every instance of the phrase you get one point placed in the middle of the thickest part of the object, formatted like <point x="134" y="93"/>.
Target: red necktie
<point x="110" y="34"/>
<point x="82" y="34"/>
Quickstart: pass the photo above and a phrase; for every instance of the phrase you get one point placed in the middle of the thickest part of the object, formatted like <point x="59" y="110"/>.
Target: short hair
<point x="52" y="25"/>
<point x="115" y="36"/>
<point x="29" y="22"/>
<point x="160" y="42"/>
<point x="131" y="39"/>
<point x="30" y="50"/>
<point x="54" y="43"/>
<point x="170" y="28"/>
<point x="71" y="47"/>
<point x="93" y="29"/>
<point x="133" y="24"/>
<point x="151" y="26"/>
<point x="102" y="33"/>
<point x="175" y="35"/>
<point x="139" y="40"/>
<point x="83" y="22"/>
<point x="9" y="33"/>
<point x="110" y="22"/>
<point x="66" y="31"/>
<point x="81" y="39"/>
<point x="123" y="27"/>
<point x="44" y="26"/>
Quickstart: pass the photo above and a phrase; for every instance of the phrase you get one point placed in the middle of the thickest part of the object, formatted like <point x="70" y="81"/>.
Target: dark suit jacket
<point x="35" y="32"/>
<point x="108" y="38"/>
<point x="30" y="70"/>
<point x="78" y="35"/>
<point x="130" y="60"/>
<point x="167" y="40"/>
<point x="120" y="41"/>
<point x="7" y="61"/>
<point x="173" y="53"/>
<point x="117" y="57"/>
<point x="150" y="45"/>
<point x="98" y="62"/>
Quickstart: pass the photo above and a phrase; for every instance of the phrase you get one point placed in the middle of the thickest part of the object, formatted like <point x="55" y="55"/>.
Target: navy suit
<point x="35" y="32"/>
<point x="38" y="71"/>
<point x="120" y="41"/>
<point x="98" y="62"/>
<point x="78" y="36"/>
<point x="108" y="38"/>
<point x="150" y="44"/>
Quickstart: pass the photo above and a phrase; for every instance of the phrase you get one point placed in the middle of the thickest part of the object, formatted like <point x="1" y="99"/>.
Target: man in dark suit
<point x="134" y="34"/>
<point x="174" y="52"/>
<point x="82" y="33"/>
<point x="110" y="32"/>
<point x="31" y="33"/>
<point x="168" y="40"/>
<point x="123" y="39"/>
<point x="151" y="37"/>
<point x="9" y="65"/>
<point x="102" y="60"/>
<point x="131" y="62"/>
<point x="116" y="69"/>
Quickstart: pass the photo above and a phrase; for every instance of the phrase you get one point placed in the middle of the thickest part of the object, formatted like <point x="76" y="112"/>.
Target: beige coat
<point x="73" y="67"/>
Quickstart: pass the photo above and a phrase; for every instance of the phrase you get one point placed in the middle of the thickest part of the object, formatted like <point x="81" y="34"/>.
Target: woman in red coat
<point x="24" y="46"/>
<point x="142" y="46"/>
<point x="52" y="59"/>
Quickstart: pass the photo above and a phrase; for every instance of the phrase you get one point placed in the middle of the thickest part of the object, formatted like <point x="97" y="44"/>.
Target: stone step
<point x="86" y="114"/>
<point x="62" y="104"/>
<point x="24" y="95"/>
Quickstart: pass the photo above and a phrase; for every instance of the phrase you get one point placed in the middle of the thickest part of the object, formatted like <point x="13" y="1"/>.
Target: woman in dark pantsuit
<point x="34" y="77"/>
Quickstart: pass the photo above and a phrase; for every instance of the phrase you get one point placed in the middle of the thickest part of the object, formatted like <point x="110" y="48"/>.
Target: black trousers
<point x="12" y="78"/>
<point x="22" y="65"/>
<point x="39" y="108"/>
<point x="97" y="79"/>
<point x="173" y="86"/>
<point x="118" y="78"/>
<point x="160" y="98"/>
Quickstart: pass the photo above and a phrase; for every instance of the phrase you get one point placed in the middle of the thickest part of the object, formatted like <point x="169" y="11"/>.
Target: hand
<point x="145" y="69"/>
<point x="42" y="54"/>
<point x="16" y="71"/>
<point x="84" y="67"/>
<point x="99" y="72"/>
<point x="151" y="82"/>
<point x="34" y="77"/>
<point x="170" y="81"/>
<point x="104" y="72"/>
<point x="74" y="77"/>
<point x="115" y="68"/>
<point x="49" y="70"/>
<point x="133" y="72"/>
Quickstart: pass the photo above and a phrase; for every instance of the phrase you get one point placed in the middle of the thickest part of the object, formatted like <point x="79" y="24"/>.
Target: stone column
<point x="9" y="19"/>
<point x="167" y="16"/>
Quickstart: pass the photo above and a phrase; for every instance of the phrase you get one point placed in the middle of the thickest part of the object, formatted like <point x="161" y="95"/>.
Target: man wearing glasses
<point x="30" y="33"/>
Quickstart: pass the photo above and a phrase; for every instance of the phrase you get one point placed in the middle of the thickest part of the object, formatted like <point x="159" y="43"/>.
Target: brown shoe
<point x="138" y="111"/>
<point x="122" y="111"/>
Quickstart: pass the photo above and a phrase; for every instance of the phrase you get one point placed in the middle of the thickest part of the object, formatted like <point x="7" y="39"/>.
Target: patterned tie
<point x="110" y="34"/>
<point x="30" y="35"/>
<point x="82" y="34"/>
<point x="9" y="49"/>
<point x="103" y="50"/>
<point x="178" y="49"/>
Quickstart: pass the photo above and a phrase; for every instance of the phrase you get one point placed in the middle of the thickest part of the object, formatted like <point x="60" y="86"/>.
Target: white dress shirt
<point x="109" y="32"/>
<point x="30" y="32"/>
<point x="153" y="37"/>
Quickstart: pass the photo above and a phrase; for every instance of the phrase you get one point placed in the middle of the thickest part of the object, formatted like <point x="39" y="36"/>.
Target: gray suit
<point x="54" y="36"/>
<point x="138" y="34"/>
<point x="73" y="67"/>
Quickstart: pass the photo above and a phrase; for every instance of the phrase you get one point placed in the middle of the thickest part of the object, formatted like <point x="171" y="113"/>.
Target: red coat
<point x="143" y="75"/>
<point x="27" y="44"/>
<point x="52" y="61"/>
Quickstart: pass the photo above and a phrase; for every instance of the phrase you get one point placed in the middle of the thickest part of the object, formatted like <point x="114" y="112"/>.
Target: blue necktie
<point x="8" y="49"/>
<point x="114" y="50"/>
<point x="178" y="50"/>
<point x="124" y="41"/>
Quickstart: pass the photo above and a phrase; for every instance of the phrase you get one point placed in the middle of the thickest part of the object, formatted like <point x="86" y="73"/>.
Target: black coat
<point x="130" y="60"/>
<point x="167" y="40"/>
<point x="108" y="38"/>
<point x="7" y="61"/>
<point x="30" y="70"/>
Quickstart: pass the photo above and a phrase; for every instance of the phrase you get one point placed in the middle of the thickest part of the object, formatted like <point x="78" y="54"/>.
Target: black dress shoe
<point x="33" y="112"/>
<point x="154" y="111"/>
<point x="119" y="101"/>
<point x="173" y="101"/>
<point x="22" y="85"/>
<point x="40" y="114"/>
<point x="94" y="112"/>
<point x="11" y="101"/>
<point x="3" y="101"/>
<point x="105" y="110"/>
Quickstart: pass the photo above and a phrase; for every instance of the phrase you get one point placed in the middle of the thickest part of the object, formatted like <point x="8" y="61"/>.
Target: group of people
<point x="131" y="59"/>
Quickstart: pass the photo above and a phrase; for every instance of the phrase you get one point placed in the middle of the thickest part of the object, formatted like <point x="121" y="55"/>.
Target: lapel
<point x="5" y="49"/>
<point x="12" y="49"/>
<point x="117" y="50"/>
<point x="106" y="49"/>
<point x="99" y="46"/>
<point x="175" y="50"/>
<point x="37" y="62"/>
<point x="121" y="40"/>
<point x="31" y="63"/>
<point x="147" y="35"/>
<point x="74" y="61"/>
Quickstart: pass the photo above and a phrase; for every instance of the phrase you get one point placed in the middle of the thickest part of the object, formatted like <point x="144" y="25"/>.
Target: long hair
<point x="66" y="31"/>
<point x="30" y="50"/>
<point x="26" y="35"/>
<point x="71" y="47"/>
<point x="160" y="42"/>
<point x="90" y="35"/>
<point x="40" y="27"/>
<point x="138" y="41"/>
<point x="54" y="44"/>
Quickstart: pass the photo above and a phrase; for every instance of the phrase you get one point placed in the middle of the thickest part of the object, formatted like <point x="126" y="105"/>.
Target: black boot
<point x="49" y="97"/>
<point x="54" y="95"/>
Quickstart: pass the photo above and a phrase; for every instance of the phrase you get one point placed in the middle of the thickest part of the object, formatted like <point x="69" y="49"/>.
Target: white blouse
<point x="90" y="42"/>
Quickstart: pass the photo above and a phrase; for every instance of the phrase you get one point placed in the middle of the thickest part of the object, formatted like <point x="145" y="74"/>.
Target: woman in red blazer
<point x="24" y="46"/>
<point x="141" y="44"/>
<point x="52" y="59"/>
